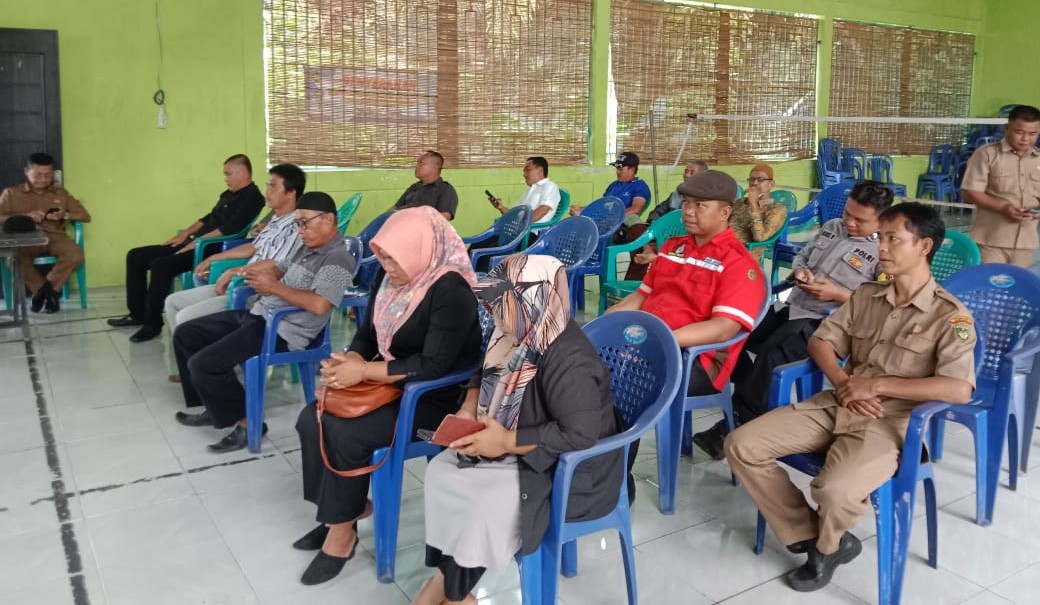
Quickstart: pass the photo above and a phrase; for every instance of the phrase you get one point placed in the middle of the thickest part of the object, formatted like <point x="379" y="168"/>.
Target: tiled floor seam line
<point x="69" y="542"/>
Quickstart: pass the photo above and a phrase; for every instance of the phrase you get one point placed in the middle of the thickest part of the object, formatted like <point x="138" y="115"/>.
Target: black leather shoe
<point x="324" y="567"/>
<point x="40" y="298"/>
<point x="145" y="334"/>
<point x="124" y="322"/>
<point x="233" y="441"/>
<point x="818" y="570"/>
<point x="712" y="439"/>
<point x="53" y="302"/>
<point x="200" y="419"/>
<point x="313" y="539"/>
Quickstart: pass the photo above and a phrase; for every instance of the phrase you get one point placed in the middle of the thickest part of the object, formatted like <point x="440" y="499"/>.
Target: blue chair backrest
<point x="369" y="269"/>
<point x="1005" y="302"/>
<point x="354" y="247"/>
<point x="879" y="167"/>
<point x="828" y="154"/>
<point x="855" y="161"/>
<point x="957" y="251"/>
<point x="832" y="201"/>
<point x="515" y="223"/>
<point x="572" y="241"/>
<point x="644" y="362"/>
<point x="941" y="159"/>
<point x="608" y="213"/>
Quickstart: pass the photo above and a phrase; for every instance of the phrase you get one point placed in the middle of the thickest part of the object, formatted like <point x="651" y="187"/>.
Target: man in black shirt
<point x="235" y="210"/>
<point x="431" y="190"/>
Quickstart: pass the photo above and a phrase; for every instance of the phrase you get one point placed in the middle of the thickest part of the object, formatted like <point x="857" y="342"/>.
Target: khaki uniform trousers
<point x="857" y="463"/>
<point x="60" y="246"/>
<point x="1012" y="256"/>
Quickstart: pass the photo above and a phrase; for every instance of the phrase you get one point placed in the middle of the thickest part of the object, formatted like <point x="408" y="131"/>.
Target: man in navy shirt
<point x="629" y="188"/>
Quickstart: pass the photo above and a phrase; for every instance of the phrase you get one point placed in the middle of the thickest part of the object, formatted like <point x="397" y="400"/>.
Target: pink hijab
<point x="426" y="247"/>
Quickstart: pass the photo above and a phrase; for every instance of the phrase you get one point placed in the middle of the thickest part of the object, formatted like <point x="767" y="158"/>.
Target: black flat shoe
<point x="124" y="322"/>
<point x="40" y="298"/>
<point x="53" y="302"/>
<point x="324" y="566"/>
<point x="313" y="539"/>
<point x="233" y="441"/>
<point x="712" y="439"/>
<point x="818" y="570"/>
<point x="145" y="334"/>
<point x="201" y="419"/>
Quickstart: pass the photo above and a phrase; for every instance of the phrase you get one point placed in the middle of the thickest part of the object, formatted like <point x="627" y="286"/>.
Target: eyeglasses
<point x="301" y="223"/>
<point x="758" y="179"/>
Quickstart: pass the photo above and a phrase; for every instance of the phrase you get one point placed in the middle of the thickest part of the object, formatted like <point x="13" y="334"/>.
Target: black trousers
<point x="207" y="351"/>
<point x="776" y="341"/>
<point x="144" y="298"/>
<point x="349" y="443"/>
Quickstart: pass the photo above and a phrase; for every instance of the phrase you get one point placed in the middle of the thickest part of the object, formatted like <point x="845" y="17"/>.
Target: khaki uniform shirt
<point x="999" y="171"/>
<point x="758" y="225"/>
<point x="21" y="199"/>
<point x="931" y="335"/>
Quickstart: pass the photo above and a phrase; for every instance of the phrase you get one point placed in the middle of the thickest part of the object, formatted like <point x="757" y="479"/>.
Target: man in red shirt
<point x="705" y="285"/>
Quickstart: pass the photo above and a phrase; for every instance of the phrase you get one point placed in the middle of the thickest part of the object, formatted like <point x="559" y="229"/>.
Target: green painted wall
<point x="141" y="183"/>
<point x="1006" y="66"/>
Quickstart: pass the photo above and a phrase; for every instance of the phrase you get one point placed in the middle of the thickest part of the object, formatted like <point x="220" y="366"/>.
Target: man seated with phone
<point x="542" y="195"/>
<point x="842" y="255"/>
<point x="50" y="206"/>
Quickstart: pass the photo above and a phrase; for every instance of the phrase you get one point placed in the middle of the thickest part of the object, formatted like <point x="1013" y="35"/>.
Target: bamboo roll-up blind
<point x="886" y="71"/>
<point x="372" y="83"/>
<point x="679" y="59"/>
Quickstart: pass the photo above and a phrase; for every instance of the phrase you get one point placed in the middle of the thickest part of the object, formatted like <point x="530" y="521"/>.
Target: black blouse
<point x="569" y="406"/>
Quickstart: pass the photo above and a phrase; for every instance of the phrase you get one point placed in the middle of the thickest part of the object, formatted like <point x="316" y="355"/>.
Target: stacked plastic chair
<point x="830" y="167"/>
<point x="938" y="181"/>
<point x="879" y="168"/>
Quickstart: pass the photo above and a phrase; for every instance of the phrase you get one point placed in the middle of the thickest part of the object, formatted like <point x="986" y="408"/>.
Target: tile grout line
<point x="69" y="542"/>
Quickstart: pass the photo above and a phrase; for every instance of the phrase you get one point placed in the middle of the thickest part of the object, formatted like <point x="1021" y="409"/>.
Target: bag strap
<point x="354" y="472"/>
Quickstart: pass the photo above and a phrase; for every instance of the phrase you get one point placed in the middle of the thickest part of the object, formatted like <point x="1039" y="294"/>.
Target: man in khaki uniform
<point x="1002" y="179"/>
<point x="908" y="341"/>
<point x="50" y="206"/>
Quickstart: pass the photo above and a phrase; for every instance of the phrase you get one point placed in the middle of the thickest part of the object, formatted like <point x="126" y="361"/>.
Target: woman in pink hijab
<point x="421" y="324"/>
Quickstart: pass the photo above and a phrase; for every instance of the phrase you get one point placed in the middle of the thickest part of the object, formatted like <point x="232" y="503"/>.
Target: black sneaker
<point x="711" y="440"/>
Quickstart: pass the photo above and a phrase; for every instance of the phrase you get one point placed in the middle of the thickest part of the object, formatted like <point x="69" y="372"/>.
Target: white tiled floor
<point x="154" y="518"/>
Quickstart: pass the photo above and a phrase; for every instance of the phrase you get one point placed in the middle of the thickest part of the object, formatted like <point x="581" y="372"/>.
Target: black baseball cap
<point x="627" y="158"/>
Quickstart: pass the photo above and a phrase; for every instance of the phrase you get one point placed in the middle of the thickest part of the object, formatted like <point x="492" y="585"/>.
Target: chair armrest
<point x="689" y="354"/>
<point x="240" y="297"/>
<point x="784" y="377"/>
<point x="609" y="266"/>
<point x="77" y="233"/>
<point x="271" y="330"/>
<point x="414" y="390"/>
<point x="234" y="243"/>
<point x="473" y="239"/>
<point x="913" y="443"/>
<point x="218" y="267"/>
<point x="504" y="250"/>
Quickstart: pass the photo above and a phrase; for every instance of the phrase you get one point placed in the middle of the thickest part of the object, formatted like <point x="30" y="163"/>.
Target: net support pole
<point x="653" y="153"/>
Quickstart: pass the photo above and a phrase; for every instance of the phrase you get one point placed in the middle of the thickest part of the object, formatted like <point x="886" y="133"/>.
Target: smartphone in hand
<point x="491" y="198"/>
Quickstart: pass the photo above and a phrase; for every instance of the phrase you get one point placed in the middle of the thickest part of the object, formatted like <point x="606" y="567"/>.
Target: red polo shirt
<point x="689" y="284"/>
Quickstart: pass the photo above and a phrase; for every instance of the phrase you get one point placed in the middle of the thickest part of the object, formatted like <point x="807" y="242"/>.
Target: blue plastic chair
<point x="81" y="271"/>
<point x="572" y="241"/>
<point x="1005" y="303"/>
<point x="893" y="501"/>
<point x="832" y="200"/>
<point x="784" y="251"/>
<point x="562" y="211"/>
<point x="830" y="167"/>
<point x="643" y="358"/>
<point x="854" y="161"/>
<point x="675" y="431"/>
<point x="386" y="480"/>
<point x="356" y="296"/>
<point x="938" y="181"/>
<point x="306" y="361"/>
<point x="608" y="213"/>
<point x="187" y="278"/>
<point x="510" y="230"/>
<point x="880" y="168"/>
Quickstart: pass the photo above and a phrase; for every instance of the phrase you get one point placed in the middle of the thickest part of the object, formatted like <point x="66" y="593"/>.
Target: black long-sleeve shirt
<point x="234" y="211"/>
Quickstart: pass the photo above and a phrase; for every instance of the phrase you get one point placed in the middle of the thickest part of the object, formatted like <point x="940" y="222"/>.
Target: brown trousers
<point x="1011" y="256"/>
<point x="857" y="463"/>
<point x="59" y="246"/>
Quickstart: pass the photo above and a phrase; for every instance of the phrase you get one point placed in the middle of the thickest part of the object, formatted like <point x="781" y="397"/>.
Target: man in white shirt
<point x="542" y="195"/>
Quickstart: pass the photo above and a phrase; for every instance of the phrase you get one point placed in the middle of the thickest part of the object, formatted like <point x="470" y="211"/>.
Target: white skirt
<point x="473" y="514"/>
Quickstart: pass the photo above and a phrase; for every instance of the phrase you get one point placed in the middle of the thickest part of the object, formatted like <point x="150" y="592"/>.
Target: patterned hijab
<point x="530" y="302"/>
<point x="426" y="247"/>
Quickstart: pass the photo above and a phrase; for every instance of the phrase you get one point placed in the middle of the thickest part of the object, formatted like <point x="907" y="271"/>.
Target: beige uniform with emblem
<point x="930" y="335"/>
<point x="999" y="171"/>
<point x="20" y="199"/>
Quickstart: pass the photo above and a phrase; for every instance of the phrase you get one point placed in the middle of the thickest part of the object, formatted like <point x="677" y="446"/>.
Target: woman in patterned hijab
<point x="543" y="391"/>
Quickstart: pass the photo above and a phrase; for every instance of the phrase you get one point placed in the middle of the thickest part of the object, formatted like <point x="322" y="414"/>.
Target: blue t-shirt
<point x="637" y="187"/>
